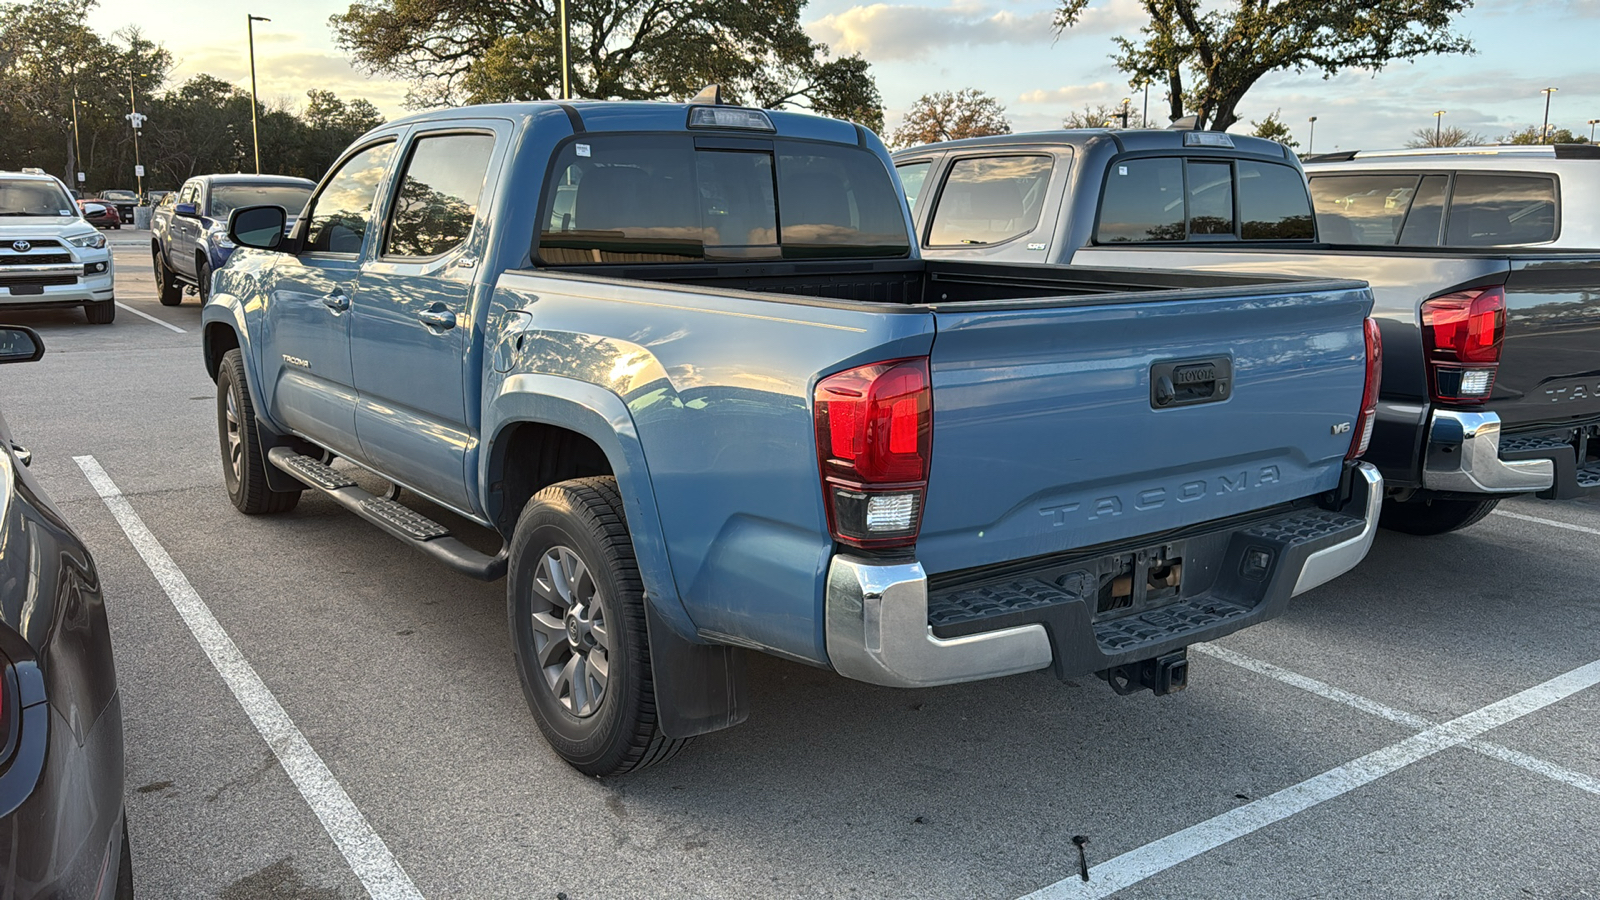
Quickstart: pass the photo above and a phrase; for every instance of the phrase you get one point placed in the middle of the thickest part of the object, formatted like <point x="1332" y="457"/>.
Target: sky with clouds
<point x="1008" y="48"/>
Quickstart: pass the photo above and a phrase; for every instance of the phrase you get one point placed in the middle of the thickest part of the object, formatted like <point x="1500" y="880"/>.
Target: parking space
<point x="1292" y="767"/>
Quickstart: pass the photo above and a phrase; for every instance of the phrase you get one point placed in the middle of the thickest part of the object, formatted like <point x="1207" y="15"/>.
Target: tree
<point x="1445" y="137"/>
<point x="1223" y="49"/>
<point x="1098" y="115"/>
<point x="946" y="116"/>
<point x="1273" y="129"/>
<point x="1530" y="135"/>
<point x="494" y="50"/>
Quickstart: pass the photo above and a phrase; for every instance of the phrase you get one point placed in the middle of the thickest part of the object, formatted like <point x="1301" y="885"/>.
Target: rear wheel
<point x="100" y="312"/>
<point x="1434" y="515"/>
<point x="167" y="285"/>
<point x="576" y="608"/>
<point x="244" y="469"/>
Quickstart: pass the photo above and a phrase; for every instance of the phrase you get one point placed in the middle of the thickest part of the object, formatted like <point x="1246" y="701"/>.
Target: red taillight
<point x="1369" y="394"/>
<point x="874" y="428"/>
<point x="1461" y="334"/>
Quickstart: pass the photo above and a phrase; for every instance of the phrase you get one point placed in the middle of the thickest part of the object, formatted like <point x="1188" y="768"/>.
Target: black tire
<point x="100" y="312"/>
<point x="202" y="270"/>
<point x="243" y="465"/>
<point x="1434" y="515"/>
<point x="168" y="288"/>
<point x="618" y="732"/>
<point x="125" y="868"/>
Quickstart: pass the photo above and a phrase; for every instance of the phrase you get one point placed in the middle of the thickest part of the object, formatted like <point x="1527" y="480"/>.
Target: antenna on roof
<point x="710" y="94"/>
<point x="1187" y="123"/>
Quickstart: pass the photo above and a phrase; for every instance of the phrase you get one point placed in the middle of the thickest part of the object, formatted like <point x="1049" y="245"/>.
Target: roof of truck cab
<point x="1129" y="140"/>
<point x="639" y="115"/>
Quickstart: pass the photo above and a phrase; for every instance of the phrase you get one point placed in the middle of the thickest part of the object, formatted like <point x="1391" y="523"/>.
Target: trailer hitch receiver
<point x="1164" y="674"/>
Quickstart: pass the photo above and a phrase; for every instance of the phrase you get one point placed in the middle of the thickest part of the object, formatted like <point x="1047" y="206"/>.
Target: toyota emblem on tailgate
<point x="21" y="246"/>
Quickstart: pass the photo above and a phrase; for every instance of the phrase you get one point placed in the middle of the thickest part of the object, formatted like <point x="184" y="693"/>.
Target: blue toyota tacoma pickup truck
<point x="684" y="365"/>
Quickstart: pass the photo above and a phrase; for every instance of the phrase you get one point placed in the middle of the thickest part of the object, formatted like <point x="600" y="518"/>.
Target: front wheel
<point x="1434" y="515"/>
<point x="203" y="273"/>
<point x="168" y="288"/>
<point x="576" y="608"/>
<point x="244" y="468"/>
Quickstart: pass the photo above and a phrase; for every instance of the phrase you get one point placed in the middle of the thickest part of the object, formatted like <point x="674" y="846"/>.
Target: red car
<point x="100" y="214"/>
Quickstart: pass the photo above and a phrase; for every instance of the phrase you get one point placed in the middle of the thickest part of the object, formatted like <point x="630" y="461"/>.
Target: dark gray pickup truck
<point x="1485" y="266"/>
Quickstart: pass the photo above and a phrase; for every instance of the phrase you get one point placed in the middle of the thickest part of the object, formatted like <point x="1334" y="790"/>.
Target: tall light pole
<point x="137" y="121"/>
<point x="1591" y="123"/>
<point x="255" y="134"/>
<point x="77" y="145"/>
<point x="1311" y="142"/>
<point x="1144" y="117"/>
<point x="1544" y="130"/>
<point x="1438" y="126"/>
<point x="566" y="85"/>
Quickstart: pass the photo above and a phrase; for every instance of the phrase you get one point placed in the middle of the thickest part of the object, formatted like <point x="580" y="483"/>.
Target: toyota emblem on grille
<point x="21" y="246"/>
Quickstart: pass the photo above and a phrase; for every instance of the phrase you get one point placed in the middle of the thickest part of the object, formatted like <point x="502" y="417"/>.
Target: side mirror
<point x="187" y="210"/>
<point x="260" y="227"/>
<point x="19" y="343"/>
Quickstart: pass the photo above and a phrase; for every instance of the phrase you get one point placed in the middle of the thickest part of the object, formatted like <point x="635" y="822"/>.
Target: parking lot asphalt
<point x="1363" y="745"/>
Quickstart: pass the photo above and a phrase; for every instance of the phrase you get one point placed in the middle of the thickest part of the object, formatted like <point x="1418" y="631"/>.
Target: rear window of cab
<point x="682" y="198"/>
<point x="1168" y="198"/>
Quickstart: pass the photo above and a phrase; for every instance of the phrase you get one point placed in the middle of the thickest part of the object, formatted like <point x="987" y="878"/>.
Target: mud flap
<point x="700" y="688"/>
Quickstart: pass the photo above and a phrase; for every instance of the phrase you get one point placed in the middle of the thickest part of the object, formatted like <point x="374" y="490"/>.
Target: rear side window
<point x="912" y="175"/>
<point x="339" y="215"/>
<point x="1273" y="205"/>
<point x="438" y="198"/>
<point x="1143" y="201"/>
<point x="1362" y="209"/>
<point x="989" y="200"/>
<point x="662" y="198"/>
<point x="1427" y="213"/>
<point x="1491" y="210"/>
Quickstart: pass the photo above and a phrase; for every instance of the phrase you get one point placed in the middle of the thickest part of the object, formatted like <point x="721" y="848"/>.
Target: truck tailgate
<point x="1549" y="367"/>
<point x="1053" y="430"/>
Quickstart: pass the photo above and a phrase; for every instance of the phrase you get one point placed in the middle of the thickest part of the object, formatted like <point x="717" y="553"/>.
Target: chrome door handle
<point x="336" y="301"/>
<point x="437" y="318"/>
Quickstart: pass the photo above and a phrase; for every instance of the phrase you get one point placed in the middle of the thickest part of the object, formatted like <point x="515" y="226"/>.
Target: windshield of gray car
<point x="34" y="198"/>
<point x="225" y="198"/>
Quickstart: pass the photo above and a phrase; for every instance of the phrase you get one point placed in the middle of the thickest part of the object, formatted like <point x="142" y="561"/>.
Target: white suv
<point x="49" y="256"/>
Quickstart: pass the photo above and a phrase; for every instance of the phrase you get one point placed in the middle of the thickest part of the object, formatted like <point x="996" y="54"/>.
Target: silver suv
<point x="49" y="256"/>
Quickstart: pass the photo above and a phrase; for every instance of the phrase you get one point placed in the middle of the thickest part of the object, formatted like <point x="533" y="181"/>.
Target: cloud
<point x="287" y="70"/>
<point x="883" y="31"/>
<point x="1077" y="95"/>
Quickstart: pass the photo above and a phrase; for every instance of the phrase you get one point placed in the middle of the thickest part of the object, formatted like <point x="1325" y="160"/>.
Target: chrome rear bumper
<point x="1463" y="454"/>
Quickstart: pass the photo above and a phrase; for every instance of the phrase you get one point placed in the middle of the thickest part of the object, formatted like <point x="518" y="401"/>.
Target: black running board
<point x="400" y="521"/>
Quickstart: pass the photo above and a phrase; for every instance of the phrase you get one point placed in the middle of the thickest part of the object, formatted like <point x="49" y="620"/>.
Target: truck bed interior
<point x="910" y="282"/>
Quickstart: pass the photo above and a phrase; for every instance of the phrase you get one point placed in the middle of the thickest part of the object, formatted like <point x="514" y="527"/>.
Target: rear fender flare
<point x="603" y="417"/>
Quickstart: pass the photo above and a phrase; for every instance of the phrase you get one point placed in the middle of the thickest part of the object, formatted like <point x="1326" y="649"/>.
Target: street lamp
<point x="77" y="145"/>
<point x="1127" y="103"/>
<point x="1438" y="126"/>
<point x="1592" y="123"/>
<point x="1544" y="130"/>
<point x="255" y="135"/>
<point x="566" y="85"/>
<point x="1311" y="141"/>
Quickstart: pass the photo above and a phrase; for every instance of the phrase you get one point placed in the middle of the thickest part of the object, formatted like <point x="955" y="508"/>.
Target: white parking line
<point x="1158" y="856"/>
<point x="1327" y="691"/>
<point x="146" y="315"/>
<point x="1551" y="522"/>
<point x="363" y="849"/>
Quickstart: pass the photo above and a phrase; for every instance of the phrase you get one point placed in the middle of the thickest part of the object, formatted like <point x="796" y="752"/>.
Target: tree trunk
<point x="1174" y="94"/>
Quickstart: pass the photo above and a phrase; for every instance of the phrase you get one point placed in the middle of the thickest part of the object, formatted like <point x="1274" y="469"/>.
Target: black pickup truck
<point x="1485" y="266"/>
